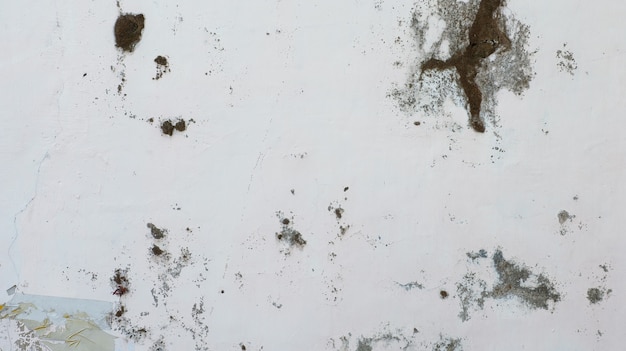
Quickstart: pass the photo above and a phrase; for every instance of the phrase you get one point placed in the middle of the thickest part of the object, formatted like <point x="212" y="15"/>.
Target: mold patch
<point x="481" y="50"/>
<point x="596" y="295"/>
<point x="128" y="28"/>
<point x="535" y="291"/>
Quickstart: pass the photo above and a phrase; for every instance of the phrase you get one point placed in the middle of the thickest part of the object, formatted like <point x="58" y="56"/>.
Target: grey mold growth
<point x="535" y="291"/>
<point x="512" y="277"/>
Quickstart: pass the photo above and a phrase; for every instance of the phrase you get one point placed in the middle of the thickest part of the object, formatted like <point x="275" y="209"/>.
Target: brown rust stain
<point x="485" y="37"/>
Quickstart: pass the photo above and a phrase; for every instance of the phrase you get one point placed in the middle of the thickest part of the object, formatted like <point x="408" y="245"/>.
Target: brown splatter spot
<point x="443" y="294"/>
<point x="128" y="28"/>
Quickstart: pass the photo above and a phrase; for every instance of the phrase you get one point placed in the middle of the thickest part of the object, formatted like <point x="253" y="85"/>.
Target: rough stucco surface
<point x="280" y="175"/>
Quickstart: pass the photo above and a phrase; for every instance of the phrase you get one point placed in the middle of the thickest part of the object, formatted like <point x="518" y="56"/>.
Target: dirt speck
<point x="162" y="66"/>
<point x="128" y="28"/>
<point x="156" y="232"/>
<point x="156" y="250"/>
<point x="443" y="294"/>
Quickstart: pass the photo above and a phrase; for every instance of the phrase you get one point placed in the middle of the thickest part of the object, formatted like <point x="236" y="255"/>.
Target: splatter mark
<point x="487" y="54"/>
<point x="566" y="63"/>
<point x="128" y="28"/>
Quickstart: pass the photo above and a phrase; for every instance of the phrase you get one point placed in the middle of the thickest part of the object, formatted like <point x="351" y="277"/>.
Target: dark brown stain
<point x="485" y="37"/>
<point x="120" y="282"/>
<point x="167" y="127"/>
<point x="156" y="250"/>
<point x="443" y="294"/>
<point x="128" y="28"/>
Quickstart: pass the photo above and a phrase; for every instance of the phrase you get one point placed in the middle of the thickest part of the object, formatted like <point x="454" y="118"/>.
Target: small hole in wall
<point x="222" y="291"/>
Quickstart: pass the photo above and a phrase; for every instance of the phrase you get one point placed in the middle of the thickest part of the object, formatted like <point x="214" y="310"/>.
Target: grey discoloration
<point x="448" y="344"/>
<point x="564" y="216"/>
<point x="475" y="255"/>
<point x="481" y="50"/>
<point x="156" y="232"/>
<point x="472" y="293"/>
<point x="536" y="291"/>
<point x="411" y="285"/>
<point x="596" y="295"/>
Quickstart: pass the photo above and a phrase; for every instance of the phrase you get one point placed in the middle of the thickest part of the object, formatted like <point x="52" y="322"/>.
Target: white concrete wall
<point x="289" y="116"/>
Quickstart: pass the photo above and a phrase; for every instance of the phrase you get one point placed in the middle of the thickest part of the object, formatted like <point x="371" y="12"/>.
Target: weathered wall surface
<point x="277" y="175"/>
